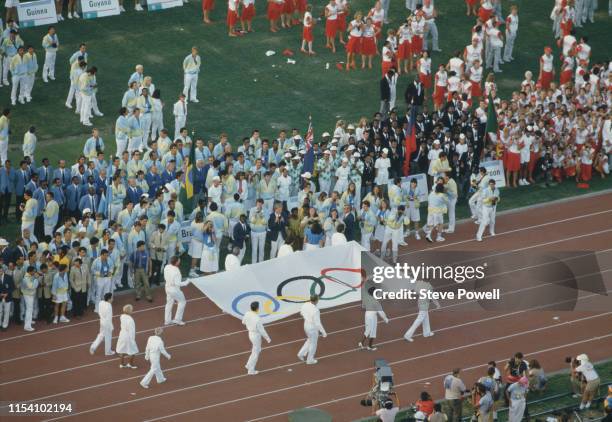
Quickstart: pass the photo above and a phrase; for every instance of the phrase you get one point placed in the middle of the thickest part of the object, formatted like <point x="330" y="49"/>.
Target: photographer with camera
<point x="388" y="410"/>
<point x="591" y="380"/>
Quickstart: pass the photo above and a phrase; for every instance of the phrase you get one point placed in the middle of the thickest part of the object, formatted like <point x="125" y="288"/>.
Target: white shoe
<point x="132" y="366"/>
<point x="252" y="372"/>
<point x="581" y="406"/>
<point x="576" y="396"/>
<point x="429" y="239"/>
<point x="372" y="349"/>
<point x="429" y="335"/>
<point x="87" y="124"/>
<point x="162" y="381"/>
<point x="521" y="182"/>
<point x="302" y="358"/>
<point x="123" y="366"/>
<point x="55" y="320"/>
<point x="410" y="339"/>
<point x="492" y="235"/>
<point x="449" y="231"/>
<point x="6" y="83"/>
<point x="75" y="15"/>
<point x="440" y="239"/>
<point x="403" y="243"/>
<point x="144" y="385"/>
<point x="69" y="15"/>
<point x="586" y="406"/>
<point x="479" y="239"/>
<point x="91" y="351"/>
<point x="68" y="105"/>
<point x="360" y="345"/>
<point x="195" y="100"/>
<point x="45" y="80"/>
<point x="178" y="322"/>
<point x="21" y="101"/>
<point x="99" y="114"/>
<point x="311" y="362"/>
<point x="477" y="222"/>
<point x="111" y="353"/>
<point x="64" y="319"/>
<point x="28" y="329"/>
<point x="121" y="8"/>
<point x="138" y="8"/>
<point x="417" y="237"/>
<point x="167" y="322"/>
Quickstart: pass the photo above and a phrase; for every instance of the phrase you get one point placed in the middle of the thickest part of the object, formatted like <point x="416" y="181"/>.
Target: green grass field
<point x="240" y="88"/>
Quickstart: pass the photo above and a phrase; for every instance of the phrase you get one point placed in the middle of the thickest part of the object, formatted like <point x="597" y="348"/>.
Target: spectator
<point x="454" y="389"/>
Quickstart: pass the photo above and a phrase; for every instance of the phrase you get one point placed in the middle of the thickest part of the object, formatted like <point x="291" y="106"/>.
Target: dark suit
<point x="277" y="227"/>
<point x="349" y="226"/>
<point x="241" y="234"/>
<point x="133" y="194"/>
<point x="415" y="95"/>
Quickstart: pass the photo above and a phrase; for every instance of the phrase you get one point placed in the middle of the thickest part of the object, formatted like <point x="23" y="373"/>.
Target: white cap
<point x="325" y="134"/>
<point x="385" y="151"/>
<point x="350" y="147"/>
<point x="351" y="126"/>
<point x="436" y="142"/>
<point x="287" y="155"/>
<point x="582" y="358"/>
<point x="86" y="211"/>
<point x="529" y="128"/>
<point x="345" y="160"/>
<point x="327" y="151"/>
<point x="216" y="178"/>
<point x="307" y="175"/>
<point x="297" y="137"/>
<point x="144" y="195"/>
<point x="334" y="148"/>
<point x="3" y="242"/>
<point x="357" y="155"/>
<point x="334" y="141"/>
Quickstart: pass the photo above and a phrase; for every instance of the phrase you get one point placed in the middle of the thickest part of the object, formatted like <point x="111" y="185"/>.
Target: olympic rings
<point x="270" y="298"/>
<point x="273" y="303"/>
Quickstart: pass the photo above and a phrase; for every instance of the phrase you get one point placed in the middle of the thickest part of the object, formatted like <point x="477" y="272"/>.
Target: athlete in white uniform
<point x="252" y="321"/>
<point x="312" y="328"/>
<point x="155" y="348"/>
<point x="105" y="311"/>
<point x="172" y="275"/>
<point x="422" y="287"/>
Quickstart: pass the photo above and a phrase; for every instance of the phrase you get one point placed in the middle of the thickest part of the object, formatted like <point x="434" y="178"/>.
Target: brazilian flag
<point x="187" y="192"/>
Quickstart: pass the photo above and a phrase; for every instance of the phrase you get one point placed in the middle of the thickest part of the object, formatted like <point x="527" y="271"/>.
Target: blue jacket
<point x="240" y="234"/>
<point x="198" y="180"/>
<point x="57" y="174"/>
<point x="39" y="195"/>
<point x="7" y="180"/>
<point x="72" y="197"/>
<point x="277" y="227"/>
<point x="167" y="177"/>
<point x="58" y="195"/>
<point x="154" y="181"/>
<point x="87" y="202"/>
<point x="41" y="174"/>
<point x="133" y="196"/>
<point x="21" y="180"/>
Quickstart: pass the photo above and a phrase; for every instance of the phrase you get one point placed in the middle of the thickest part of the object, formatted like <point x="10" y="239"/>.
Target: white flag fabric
<point x="282" y="285"/>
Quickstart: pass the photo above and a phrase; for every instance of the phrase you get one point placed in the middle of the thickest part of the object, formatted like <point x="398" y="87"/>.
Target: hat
<point x="462" y="136"/>
<point x="420" y="416"/>
<point x="325" y="134"/>
<point x="582" y="358"/>
<point x="351" y="127"/>
<point x="350" y="147"/>
<point x="529" y="128"/>
<point x="334" y="141"/>
<point x="295" y="157"/>
<point x="287" y="155"/>
<point x="3" y="242"/>
<point x="385" y="151"/>
<point x="345" y="160"/>
<point x="334" y="148"/>
<point x="327" y="151"/>
<point x="436" y="142"/>
<point x="357" y="155"/>
<point x="307" y="175"/>
<point x="144" y="195"/>
<point x="216" y="178"/>
<point x="86" y="211"/>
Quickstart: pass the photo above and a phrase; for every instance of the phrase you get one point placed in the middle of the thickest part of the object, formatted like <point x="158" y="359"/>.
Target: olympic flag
<point x="283" y="284"/>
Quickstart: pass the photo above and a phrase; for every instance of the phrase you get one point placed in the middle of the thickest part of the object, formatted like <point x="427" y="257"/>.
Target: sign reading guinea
<point x="99" y="8"/>
<point x="36" y="13"/>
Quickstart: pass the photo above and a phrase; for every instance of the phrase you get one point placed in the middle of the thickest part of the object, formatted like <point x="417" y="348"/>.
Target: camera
<point x="382" y="390"/>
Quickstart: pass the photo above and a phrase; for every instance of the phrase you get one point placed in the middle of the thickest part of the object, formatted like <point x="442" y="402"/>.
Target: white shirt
<point x="312" y="318"/>
<point x="547" y="63"/>
<point x="387" y="415"/>
<point x="252" y="321"/>
<point x="338" y="239"/>
<point x="155" y="347"/>
<point x="587" y="370"/>
<point x="173" y="278"/>
<point x="180" y="109"/>
<point x="105" y="312"/>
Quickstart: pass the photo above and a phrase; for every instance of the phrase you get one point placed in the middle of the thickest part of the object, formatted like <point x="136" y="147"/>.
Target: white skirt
<point x="435" y="219"/>
<point x="379" y="234"/>
<point x="61" y="298"/>
<point x="195" y="249"/>
<point x="126" y="344"/>
<point x="210" y="260"/>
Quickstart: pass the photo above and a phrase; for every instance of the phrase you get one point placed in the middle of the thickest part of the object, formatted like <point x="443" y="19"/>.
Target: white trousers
<point x="255" y="350"/>
<point x="452" y="203"/>
<point x="48" y="70"/>
<point x="366" y="239"/>
<point x="154" y="370"/>
<point x="371" y="324"/>
<point x="157" y="124"/>
<point x="509" y="47"/>
<point x="135" y="143"/>
<point x="309" y="349"/>
<point x="103" y="286"/>
<point x="5" y="69"/>
<point x="85" y="109"/>
<point x="411" y="5"/>
<point x="3" y="151"/>
<point x="171" y="297"/>
<point x="121" y="146"/>
<point x="516" y="410"/>
<point x="258" y="243"/>
<point x="487" y="219"/>
<point x="395" y="236"/>
<point x="106" y="335"/>
<point x="19" y="82"/>
<point x="275" y="246"/>
<point x="73" y="93"/>
<point x="421" y="319"/>
<point x="49" y="229"/>
<point x="191" y="85"/>
<point x="432" y="29"/>
<point x="179" y="122"/>
<point x="5" y="313"/>
<point x="474" y="203"/>
<point x="146" y="126"/>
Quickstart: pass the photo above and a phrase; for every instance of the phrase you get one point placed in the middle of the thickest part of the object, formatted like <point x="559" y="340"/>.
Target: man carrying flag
<point x="410" y="141"/>
<point x="188" y="191"/>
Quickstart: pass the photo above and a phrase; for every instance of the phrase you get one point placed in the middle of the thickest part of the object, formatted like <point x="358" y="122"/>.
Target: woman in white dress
<point x="195" y="245"/>
<point x="209" y="263"/>
<point x="126" y="343"/>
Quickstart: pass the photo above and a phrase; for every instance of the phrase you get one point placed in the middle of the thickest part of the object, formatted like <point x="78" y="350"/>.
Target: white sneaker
<point x="302" y="358"/>
<point x="410" y="339"/>
<point x="440" y="239"/>
<point x="68" y="105"/>
<point x="111" y="353"/>
<point x="121" y="8"/>
<point x="429" y="239"/>
<point x="123" y="366"/>
<point x="21" y="101"/>
<point x="69" y="15"/>
<point x="311" y="362"/>
<point x="360" y="345"/>
<point x="45" y="80"/>
<point x="417" y="236"/>
<point x="87" y="124"/>
<point x="178" y="322"/>
<point x="193" y="273"/>
<point x="586" y="406"/>
<point x="75" y="15"/>
<point x="99" y="114"/>
<point x="449" y="231"/>
<point x="479" y="239"/>
<point x="252" y="372"/>
<point x="581" y="406"/>
<point x="372" y="349"/>
<point x="28" y="329"/>
<point x="403" y="243"/>
<point x="55" y="320"/>
<point x="13" y="103"/>
<point x="91" y="351"/>
<point x="195" y="100"/>
<point x="138" y="8"/>
<point x="521" y="182"/>
<point x="144" y="385"/>
<point x="64" y="319"/>
<point x="492" y="234"/>
<point x="429" y="335"/>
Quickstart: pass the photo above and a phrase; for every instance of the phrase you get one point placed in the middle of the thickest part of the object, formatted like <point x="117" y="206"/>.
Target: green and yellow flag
<point x="187" y="191"/>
